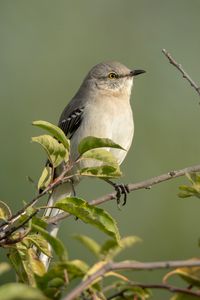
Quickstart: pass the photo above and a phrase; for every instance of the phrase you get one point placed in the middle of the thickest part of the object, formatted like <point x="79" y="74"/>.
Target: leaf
<point x="193" y="177"/>
<point x="90" y="214"/>
<point x="193" y="190"/>
<point x="89" y="243"/>
<point x="94" y="269"/>
<point x="40" y="222"/>
<point x="26" y="264"/>
<point x="55" y="243"/>
<point x="16" y="262"/>
<point x="91" y="142"/>
<point x="59" y="274"/>
<point x="55" y="131"/>
<point x="117" y="275"/>
<point x="101" y="171"/>
<point x="4" y="267"/>
<point x="56" y="151"/>
<point x="19" y="291"/>
<point x="45" y="178"/>
<point x="57" y="277"/>
<point x="5" y="212"/>
<point x="191" y="275"/>
<point x="40" y="242"/>
<point x="103" y="155"/>
<point x="76" y="268"/>
<point x="110" y="248"/>
<point x="36" y="265"/>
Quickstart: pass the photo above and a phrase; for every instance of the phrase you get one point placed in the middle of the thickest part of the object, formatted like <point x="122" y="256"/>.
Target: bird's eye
<point x="112" y="75"/>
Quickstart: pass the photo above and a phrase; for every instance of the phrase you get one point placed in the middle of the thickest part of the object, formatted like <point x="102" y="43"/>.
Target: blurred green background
<point x="46" y="48"/>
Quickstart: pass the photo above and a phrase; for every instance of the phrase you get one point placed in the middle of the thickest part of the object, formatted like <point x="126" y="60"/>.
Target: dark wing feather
<point x="70" y="124"/>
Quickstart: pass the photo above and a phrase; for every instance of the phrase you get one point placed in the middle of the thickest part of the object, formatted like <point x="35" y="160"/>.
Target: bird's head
<point x="112" y="78"/>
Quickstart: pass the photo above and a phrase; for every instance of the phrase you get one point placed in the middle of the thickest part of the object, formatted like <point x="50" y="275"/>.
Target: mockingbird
<point x="100" y="108"/>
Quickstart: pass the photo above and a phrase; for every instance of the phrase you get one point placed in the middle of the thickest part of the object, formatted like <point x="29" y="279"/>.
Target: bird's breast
<point x="110" y="119"/>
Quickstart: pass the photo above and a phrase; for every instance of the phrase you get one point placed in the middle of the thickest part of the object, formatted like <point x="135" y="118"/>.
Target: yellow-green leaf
<point x="110" y="248"/>
<point x="5" y="212"/>
<point x="55" y="243"/>
<point x="91" y="142"/>
<point x="89" y="243"/>
<point x="102" y="155"/>
<point x="40" y="242"/>
<point x="45" y="178"/>
<point x="19" y="291"/>
<point x="56" y="151"/>
<point x="101" y="172"/>
<point x="36" y="265"/>
<point x="90" y="214"/>
<point x="55" y="131"/>
<point x="24" y="257"/>
<point x="56" y="278"/>
<point x="191" y="275"/>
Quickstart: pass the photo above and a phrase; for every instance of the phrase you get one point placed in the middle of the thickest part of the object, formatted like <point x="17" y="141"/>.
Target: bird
<point x="100" y="108"/>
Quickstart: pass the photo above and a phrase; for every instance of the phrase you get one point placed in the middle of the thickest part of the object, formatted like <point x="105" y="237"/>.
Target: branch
<point x="170" y="288"/>
<point x="128" y="265"/>
<point x="146" y="184"/>
<point x="5" y="226"/>
<point x="180" y="68"/>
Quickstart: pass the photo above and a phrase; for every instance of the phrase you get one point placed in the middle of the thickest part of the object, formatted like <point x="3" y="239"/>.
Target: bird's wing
<point x="72" y="122"/>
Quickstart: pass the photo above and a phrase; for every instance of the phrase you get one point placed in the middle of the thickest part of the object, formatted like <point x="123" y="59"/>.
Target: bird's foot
<point x="121" y="190"/>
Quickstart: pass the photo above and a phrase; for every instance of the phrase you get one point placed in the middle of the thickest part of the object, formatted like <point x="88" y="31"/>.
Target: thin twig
<point x="183" y="72"/>
<point x="15" y="228"/>
<point x="128" y="265"/>
<point x="5" y="226"/>
<point x="170" y="288"/>
<point x="146" y="184"/>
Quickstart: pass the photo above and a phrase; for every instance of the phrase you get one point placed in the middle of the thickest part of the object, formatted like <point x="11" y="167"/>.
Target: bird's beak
<point x="136" y="72"/>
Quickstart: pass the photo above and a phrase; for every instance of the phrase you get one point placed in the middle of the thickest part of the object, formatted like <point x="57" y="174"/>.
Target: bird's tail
<point x="61" y="192"/>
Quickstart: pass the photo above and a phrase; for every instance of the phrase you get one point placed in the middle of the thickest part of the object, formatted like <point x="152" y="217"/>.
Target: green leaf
<point x="55" y="277"/>
<point x="193" y="190"/>
<point x="40" y="222"/>
<point x="5" y="212"/>
<point x="25" y="258"/>
<point x="89" y="243"/>
<point x="45" y="178"/>
<point x="56" y="151"/>
<point x="76" y="268"/>
<point x="110" y="248"/>
<point x="53" y="281"/>
<point x="40" y="242"/>
<point x="55" y="131"/>
<point x="190" y="275"/>
<point x="55" y="243"/>
<point x="4" y="267"/>
<point x="102" y="155"/>
<point x="91" y="142"/>
<point x="19" y="291"/>
<point x="193" y="177"/>
<point x="16" y="262"/>
<point x="37" y="267"/>
<point x="90" y="214"/>
<point x="101" y="172"/>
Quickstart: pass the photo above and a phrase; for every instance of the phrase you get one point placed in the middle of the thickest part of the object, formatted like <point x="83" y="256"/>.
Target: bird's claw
<point x="121" y="189"/>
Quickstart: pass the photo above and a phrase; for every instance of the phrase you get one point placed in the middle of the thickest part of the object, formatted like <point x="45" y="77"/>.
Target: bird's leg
<point x="121" y="189"/>
<point x="73" y="187"/>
